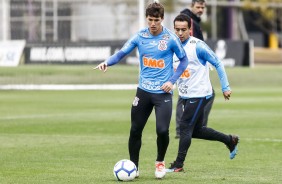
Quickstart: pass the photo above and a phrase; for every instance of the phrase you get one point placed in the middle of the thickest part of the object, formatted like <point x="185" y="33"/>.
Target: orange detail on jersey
<point x="153" y="63"/>
<point x="185" y="74"/>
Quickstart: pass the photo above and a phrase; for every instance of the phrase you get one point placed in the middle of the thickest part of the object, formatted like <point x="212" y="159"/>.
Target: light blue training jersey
<point x="195" y="80"/>
<point x="155" y="57"/>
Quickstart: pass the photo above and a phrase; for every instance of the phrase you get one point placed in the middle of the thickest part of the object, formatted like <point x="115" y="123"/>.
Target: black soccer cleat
<point x="233" y="146"/>
<point x="175" y="167"/>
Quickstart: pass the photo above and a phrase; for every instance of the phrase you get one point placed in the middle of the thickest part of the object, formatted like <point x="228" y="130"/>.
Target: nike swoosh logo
<point x="166" y="100"/>
<point x="193" y="102"/>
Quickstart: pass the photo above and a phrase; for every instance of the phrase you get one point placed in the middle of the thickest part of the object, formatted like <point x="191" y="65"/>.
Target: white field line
<point x="68" y="87"/>
<point x="262" y="140"/>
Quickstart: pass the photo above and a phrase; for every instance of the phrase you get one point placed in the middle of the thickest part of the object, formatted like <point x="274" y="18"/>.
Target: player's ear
<point x="190" y="31"/>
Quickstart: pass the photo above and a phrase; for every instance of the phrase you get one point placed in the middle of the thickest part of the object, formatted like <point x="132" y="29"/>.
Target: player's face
<point x="155" y="24"/>
<point x="198" y="8"/>
<point x="181" y="30"/>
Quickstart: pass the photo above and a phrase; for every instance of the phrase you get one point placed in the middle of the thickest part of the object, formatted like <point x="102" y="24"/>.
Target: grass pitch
<point x="78" y="136"/>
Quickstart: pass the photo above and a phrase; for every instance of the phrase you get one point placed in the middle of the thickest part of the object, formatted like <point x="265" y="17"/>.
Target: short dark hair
<point x="198" y="1"/>
<point x="183" y="18"/>
<point x="155" y="10"/>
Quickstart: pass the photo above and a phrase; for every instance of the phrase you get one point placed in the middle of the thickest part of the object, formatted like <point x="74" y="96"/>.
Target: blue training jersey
<point x="155" y="57"/>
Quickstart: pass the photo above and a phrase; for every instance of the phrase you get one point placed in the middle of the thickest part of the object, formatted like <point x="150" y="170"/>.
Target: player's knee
<point x="184" y="126"/>
<point x="135" y="133"/>
<point x="162" y="132"/>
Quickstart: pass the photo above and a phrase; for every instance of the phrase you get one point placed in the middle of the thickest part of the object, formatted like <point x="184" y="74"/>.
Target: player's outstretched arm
<point x="206" y="54"/>
<point x="114" y="59"/>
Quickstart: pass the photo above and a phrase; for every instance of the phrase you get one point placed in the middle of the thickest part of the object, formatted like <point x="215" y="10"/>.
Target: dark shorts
<point x="143" y="105"/>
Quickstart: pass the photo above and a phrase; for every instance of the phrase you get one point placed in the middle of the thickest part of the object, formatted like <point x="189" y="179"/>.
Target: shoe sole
<point x="174" y="170"/>
<point x="160" y="177"/>
<point x="234" y="152"/>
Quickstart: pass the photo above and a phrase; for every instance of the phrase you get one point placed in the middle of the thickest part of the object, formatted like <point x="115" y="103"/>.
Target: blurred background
<point x="88" y="31"/>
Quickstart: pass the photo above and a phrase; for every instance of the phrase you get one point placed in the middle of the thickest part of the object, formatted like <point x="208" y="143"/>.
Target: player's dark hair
<point x="183" y="18"/>
<point x="155" y="10"/>
<point x="198" y="1"/>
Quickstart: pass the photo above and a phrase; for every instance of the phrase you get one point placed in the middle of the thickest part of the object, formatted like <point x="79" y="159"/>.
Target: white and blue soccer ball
<point x="125" y="170"/>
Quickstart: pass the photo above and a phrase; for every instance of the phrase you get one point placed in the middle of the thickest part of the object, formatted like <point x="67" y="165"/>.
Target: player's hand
<point x="167" y="87"/>
<point x="102" y="66"/>
<point x="227" y="94"/>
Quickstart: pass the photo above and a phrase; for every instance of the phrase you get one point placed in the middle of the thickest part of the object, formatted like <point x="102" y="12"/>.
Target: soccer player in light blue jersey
<point x="156" y="46"/>
<point x="194" y="87"/>
<point x="195" y="12"/>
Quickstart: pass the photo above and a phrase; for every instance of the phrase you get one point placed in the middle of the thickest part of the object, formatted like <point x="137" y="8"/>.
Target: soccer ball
<point x="125" y="170"/>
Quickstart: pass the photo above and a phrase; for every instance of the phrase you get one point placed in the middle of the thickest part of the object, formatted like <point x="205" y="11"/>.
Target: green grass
<point x="259" y="76"/>
<point x="67" y="74"/>
<point x="78" y="136"/>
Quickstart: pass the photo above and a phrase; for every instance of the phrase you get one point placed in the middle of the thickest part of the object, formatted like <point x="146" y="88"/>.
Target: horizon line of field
<point x="106" y="87"/>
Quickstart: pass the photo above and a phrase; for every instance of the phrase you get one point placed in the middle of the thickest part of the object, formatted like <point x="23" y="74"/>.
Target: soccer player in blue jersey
<point x="156" y="46"/>
<point x="194" y="87"/>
